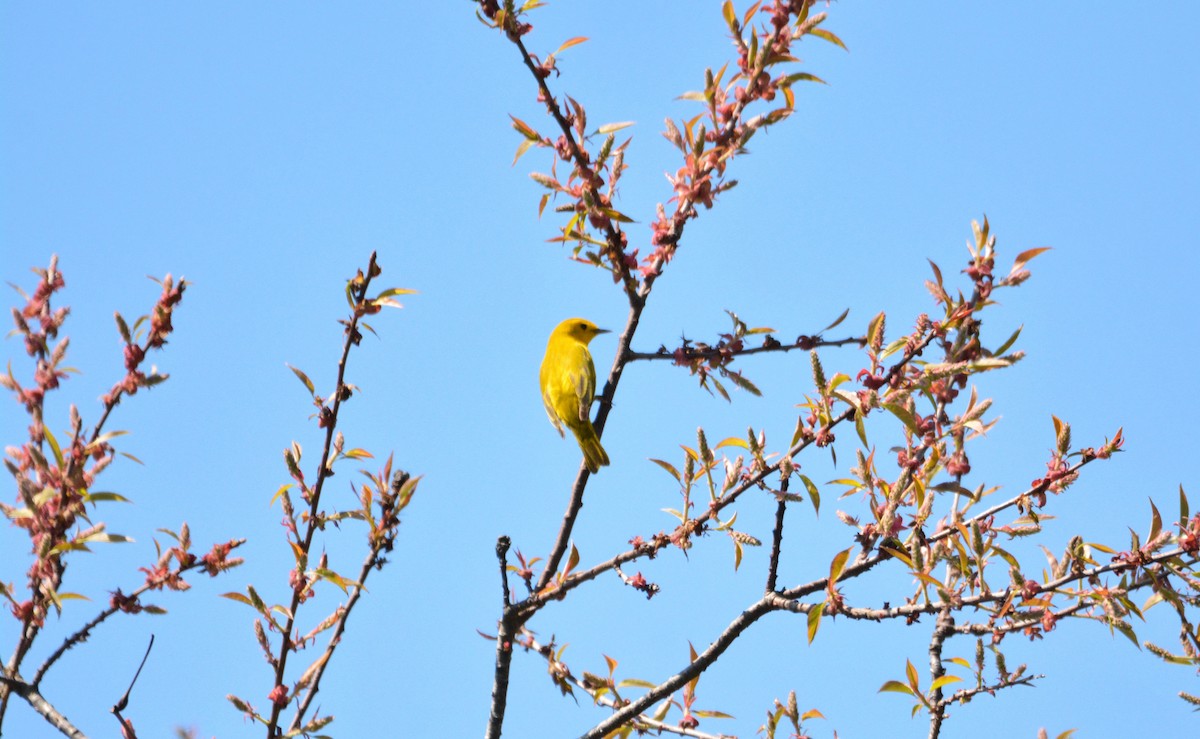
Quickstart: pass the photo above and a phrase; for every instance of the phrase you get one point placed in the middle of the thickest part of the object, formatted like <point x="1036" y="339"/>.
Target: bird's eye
<point x="583" y="327"/>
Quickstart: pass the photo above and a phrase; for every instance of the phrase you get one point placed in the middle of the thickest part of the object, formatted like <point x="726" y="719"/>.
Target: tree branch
<point x="777" y="536"/>
<point x="641" y="723"/>
<point x="504" y="643"/>
<point x="942" y="630"/>
<point x="636" y="707"/>
<point x="314" y="520"/>
<point x="47" y="710"/>
<point x="664" y="354"/>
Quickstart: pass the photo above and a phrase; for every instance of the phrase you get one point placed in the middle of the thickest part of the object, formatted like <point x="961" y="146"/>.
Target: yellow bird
<point x="568" y="380"/>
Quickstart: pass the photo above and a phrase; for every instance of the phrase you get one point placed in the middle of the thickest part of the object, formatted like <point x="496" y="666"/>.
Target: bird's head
<point x="579" y="329"/>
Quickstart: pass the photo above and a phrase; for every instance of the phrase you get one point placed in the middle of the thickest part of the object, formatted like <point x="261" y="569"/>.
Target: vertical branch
<point x="777" y="536"/>
<point x="126" y="725"/>
<point x="504" y="646"/>
<point x="382" y="538"/>
<point x="358" y="291"/>
<point x="937" y="704"/>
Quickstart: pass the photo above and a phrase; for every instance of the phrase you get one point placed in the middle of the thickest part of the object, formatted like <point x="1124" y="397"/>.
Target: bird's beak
<point x="602" y="331"/>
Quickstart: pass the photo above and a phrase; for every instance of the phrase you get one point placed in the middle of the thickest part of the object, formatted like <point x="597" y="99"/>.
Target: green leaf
<point x="814" y="621"/>
<point x="669" y="468"/>
<point x="892" y="686"/>
<point x="743" y="383"/>
<point x="104" y="497"/>
<point x="238" y="597"/>
<point x="905" y="417"/>
<point x="610" y="127"/>
<point x="837" y="320"/>
<point x="635" y="683"/>
<point x="900" y="555"/>
<point x="711" y="714"/>
<point x="393" y="291"/>
<point x="838" y="564"/>
<point x="945" y="680"/>
<point x="861" y="429"/>
<point x="813" y="493"/>
<point x="105" y="538"/>
<point x="123" y="328"/>
<point x="58" y="457"/>
<point x="802" y="77"/>
<point x="1127" y="631"/>
<point x="333" y="577"/>
<point x="821" y="33"/>
<point x="1009" y="341"/>
<point x="523" y="147"/>
<point x="524" y="128"/>
<point x="303" y="378"/>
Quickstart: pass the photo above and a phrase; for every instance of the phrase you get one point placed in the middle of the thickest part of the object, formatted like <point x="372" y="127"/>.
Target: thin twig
<point x="286" y="646"/>
<point x="777" y="535"/>
<point x="723" y="353"/>
<point x="127" y="727"/>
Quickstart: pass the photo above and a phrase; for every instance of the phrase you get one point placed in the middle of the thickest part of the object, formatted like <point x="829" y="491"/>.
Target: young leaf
<point x="303" y="378"/>
<point x="945" y="680"/>
<point x="837" y="320"/>
<point x="813" y="493"/>
<point x="838" y="564"/>
<point x="669" y="468"/>
<point x="821" y="33"/>
<point x="610" y="127"/>
<point x="892" y="686"/>
<point x="569" y="43"/>
<point x="814" y="621"/>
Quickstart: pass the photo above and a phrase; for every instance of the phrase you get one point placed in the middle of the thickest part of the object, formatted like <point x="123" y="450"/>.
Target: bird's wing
<point x="550" y="412"/>
<point x="585" y="386"/>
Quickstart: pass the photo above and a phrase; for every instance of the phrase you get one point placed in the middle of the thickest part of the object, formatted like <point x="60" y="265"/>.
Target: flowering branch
<point x="54" y="480"/>
<point x="381" y="499"/>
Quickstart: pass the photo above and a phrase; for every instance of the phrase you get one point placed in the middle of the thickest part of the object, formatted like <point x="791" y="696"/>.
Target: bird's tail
<point x="594" y="455"/>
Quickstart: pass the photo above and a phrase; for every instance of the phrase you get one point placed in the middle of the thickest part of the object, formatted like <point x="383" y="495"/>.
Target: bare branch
<point x="35" y="699"/>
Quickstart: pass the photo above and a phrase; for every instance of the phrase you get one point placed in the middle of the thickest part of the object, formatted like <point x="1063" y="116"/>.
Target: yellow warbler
<point x="568" y="380"/>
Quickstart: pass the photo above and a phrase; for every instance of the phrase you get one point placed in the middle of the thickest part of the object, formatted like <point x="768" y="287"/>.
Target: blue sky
<point x="264" y="150"/>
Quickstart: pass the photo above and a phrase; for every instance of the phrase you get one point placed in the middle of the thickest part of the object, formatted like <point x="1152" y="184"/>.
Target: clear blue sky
<point x="264" y="150"/>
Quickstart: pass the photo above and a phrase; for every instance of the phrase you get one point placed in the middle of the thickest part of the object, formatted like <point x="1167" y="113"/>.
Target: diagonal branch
<point x="47" y="710"/>
<point x="641" y="723"/>
<point x="634" y="708"/>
